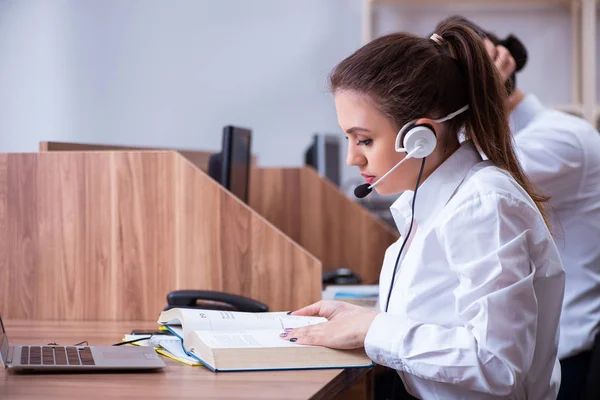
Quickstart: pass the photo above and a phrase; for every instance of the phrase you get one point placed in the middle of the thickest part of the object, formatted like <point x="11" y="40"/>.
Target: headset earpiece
<point x="421" y="137"/>
<point x="417" y="135"/>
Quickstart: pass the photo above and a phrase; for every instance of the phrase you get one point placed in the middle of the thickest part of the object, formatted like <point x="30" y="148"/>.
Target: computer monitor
<point x="324" y="156"/>
<point x="231" y="166"/>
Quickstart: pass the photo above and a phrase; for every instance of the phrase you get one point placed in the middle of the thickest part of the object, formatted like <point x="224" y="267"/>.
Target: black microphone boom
<point x="362" y="190"/>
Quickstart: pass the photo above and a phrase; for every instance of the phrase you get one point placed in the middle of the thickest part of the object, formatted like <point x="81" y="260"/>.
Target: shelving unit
<point x="583" y="36"/>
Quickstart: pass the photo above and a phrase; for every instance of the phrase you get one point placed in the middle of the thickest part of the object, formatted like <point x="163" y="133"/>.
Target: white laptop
<point x="76" y="358"/>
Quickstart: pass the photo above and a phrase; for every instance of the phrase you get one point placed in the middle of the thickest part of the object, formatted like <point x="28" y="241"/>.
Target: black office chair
<point x="212" y="300"/>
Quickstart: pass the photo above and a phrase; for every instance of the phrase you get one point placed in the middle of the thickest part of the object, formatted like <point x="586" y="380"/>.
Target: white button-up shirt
<point x="475" y="308"/>
<point x="561" y="154"/>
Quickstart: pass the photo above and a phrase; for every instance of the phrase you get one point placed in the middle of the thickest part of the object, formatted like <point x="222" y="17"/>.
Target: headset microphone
<point x="364" y="189"/>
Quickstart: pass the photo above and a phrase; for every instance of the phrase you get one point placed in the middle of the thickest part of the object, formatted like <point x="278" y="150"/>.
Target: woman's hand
<point x="346" y="327"/>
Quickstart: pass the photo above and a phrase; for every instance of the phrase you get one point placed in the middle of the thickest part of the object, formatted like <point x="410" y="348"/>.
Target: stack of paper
<point x="167" y="345"/>
<point x="362" y="295"/>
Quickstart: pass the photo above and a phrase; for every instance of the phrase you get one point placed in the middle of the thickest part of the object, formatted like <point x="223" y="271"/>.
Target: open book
<point x="238" y="341"/>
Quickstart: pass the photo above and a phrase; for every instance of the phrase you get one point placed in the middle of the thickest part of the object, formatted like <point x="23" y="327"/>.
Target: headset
<point x="417" y="140"/>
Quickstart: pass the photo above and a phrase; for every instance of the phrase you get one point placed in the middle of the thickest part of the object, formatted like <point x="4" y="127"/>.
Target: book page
<point x="215" y="320"/>
<point x="177" y="331"/>
<point x="243" y="339"/>
<point x="171" y="347"/>
<point x="176" y="351"/>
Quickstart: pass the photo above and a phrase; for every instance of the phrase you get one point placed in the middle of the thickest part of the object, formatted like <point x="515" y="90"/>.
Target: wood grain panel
<point x="197" y="157"/>
<point x="316" y="214"/>
<point x="198" y="243"/>
<point x="143" y="231"/>
<point x="106" y="235"/>
<point x="58" y="224"/>
<point x="99" y="241"/>
<point x="176" y="381"/>
<point x="5" y="243"/>
<point x="20" y="235"/>
<point x="244" y="242"/>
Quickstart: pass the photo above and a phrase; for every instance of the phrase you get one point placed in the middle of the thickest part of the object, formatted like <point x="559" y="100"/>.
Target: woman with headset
<point x="470" y="295"/>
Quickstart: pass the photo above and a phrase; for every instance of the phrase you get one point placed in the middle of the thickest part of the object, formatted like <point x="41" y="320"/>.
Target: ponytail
<point x="487" y="126"/>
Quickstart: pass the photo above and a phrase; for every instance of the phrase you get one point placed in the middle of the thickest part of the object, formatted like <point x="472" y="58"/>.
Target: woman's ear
<point x="429" y="121"/>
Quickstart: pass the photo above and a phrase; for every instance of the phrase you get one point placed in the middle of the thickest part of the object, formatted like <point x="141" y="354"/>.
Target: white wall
<point x="173" y="72"/>
<point x="35" y="98"/>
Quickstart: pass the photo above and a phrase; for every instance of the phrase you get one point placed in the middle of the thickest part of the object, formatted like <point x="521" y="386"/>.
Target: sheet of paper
<point x="171" y="346"/>
<point x="176" y="349"/>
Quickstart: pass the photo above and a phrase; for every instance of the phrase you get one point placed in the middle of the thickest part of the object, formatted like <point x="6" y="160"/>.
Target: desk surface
<point x="177" y="381"/>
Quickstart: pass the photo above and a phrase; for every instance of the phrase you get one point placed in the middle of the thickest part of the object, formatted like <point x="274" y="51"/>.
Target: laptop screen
<point x="3" y="343"/>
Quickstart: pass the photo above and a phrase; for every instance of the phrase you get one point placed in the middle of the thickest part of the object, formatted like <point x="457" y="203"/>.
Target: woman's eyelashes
<point x="364" y="142"/>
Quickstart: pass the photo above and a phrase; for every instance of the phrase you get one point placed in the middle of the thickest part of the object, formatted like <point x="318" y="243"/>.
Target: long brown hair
<point x="409" y="77"/>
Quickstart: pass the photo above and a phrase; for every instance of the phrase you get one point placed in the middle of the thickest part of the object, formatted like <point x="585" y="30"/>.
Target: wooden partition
<point x="106" y="235"/>
<point x="317" y="215"/>
<point x="198" y="158"/>
<point x="306" y="207"/>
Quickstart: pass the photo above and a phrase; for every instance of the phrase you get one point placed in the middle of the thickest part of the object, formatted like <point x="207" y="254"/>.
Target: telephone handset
<point x="213" y="300"/>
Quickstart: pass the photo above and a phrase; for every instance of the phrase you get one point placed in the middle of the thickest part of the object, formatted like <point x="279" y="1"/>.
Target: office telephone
<point x="213" y="300"/>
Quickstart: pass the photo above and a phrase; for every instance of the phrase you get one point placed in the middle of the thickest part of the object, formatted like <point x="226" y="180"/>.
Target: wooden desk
<point x="177" y="381"/>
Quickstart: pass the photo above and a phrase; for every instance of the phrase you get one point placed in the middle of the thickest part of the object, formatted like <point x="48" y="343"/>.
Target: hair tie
<point x="438" y="39"/>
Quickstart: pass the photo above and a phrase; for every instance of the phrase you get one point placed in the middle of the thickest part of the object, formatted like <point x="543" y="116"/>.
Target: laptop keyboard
<point x="56" y="355"/>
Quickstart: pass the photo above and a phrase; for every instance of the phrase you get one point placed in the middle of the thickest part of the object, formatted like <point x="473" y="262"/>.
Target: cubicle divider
<point x="306" y="207"/>
<point x="105" y="235"/>
<point x="198" y="158"/>
<point x="315" y="213"/>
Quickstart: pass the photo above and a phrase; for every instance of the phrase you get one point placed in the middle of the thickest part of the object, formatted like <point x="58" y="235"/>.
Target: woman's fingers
<point x="310" y="311"/>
